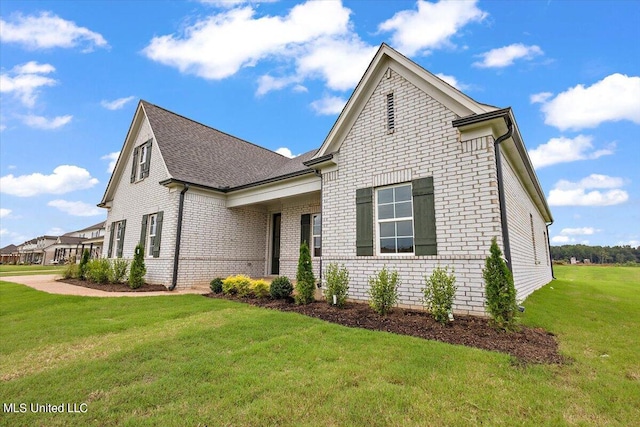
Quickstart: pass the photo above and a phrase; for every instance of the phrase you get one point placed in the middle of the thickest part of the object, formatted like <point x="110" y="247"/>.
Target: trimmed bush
<point x="305" y="281"/>
<point x="337" y="284"/>
<point x="499" y="289"/>
<point x="138" y="269"/>
<point x="72" y="270"/>
<point x="98" y="270"/>
<point x="383" y="291"/>
<point x="259" y="288"/>
<point x="119" y="269"/>
<point x="83" y="264"/>
<point x="281" y="288"/>
<point x="216" y="285"/>
<point x="439" y="293"/>
<point x="237" y="285"/>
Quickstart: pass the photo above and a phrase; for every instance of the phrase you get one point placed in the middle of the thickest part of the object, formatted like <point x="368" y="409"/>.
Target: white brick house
<point x="414" y="174"/>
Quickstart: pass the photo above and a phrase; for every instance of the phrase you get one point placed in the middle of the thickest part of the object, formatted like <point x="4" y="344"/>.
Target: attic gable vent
<point x="391" y="117"/>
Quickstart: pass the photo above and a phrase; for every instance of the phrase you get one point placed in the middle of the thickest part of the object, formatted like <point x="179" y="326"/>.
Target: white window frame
<point x="152" y="229"/>
<point x="117" y="236"/>
<point x="379" y="221"/>
<point x="142" y="160"/>
<point x="314" y="236"/>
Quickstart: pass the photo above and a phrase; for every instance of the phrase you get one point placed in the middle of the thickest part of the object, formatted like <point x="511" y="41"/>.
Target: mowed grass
<point x="189" y="360"/>
<point x="27" y="270"/>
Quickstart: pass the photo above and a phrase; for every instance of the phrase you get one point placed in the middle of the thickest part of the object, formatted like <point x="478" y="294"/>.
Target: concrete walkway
<point x="48" y="283"/>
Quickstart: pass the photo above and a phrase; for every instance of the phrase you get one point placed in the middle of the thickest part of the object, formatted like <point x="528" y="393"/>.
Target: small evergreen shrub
<point x="98" y="270"/>
<point x="383" y="291"/>
<point x="138" y="269"/>
<point x="119" y="267"/>
<point x="259" y="288"/>
<point x="281" y="288"/>
<point x="216" y="285"/>
<point x="83" y="264"/>
<point x="499" y="289"/>
<point x="237" y="285"/>
<point x="72" y="270"/>
<point x="439" y="293"/>
<point x="337" y="284"/>
<point x="305" y="281"/>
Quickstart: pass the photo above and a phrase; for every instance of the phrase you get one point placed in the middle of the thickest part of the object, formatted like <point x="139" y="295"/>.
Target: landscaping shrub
<point x="72" y="270"/>
<point x="439" y="293"/>
<point x="138" y="269"/>
<point x="337" y="284"/>
<point x="305" y="281"/>
<point x="281" y="288"/>
<point x="83" y="264"/>
<point x="216" y="285"/>
<point x="119" y="269"/>
<point x="383" y="291"/>
<point x="237" y="285"/>
<point x="499" y="289"/>
<point x="98" y="270"/>
<point x="259" y="288"/>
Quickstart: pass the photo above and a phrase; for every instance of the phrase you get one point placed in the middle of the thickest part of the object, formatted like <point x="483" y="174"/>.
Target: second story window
<point x="141" y="162"/>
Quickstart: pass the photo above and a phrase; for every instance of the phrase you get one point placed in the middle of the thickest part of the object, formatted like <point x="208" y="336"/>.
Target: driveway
<point x="47" y="283"/>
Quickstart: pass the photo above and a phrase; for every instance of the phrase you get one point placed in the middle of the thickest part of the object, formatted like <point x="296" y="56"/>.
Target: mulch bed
<point x="113" y="287"/>
<point x="527" y="345"/>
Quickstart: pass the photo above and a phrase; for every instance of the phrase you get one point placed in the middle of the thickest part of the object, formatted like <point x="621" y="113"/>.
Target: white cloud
<point x="539" y="98"/>
<point x="2" y="127"/>
<point x="612" y="99"/>
<point x="75" y="208"/>
<point x="632" y="243"/>
<point x="40" y="122"/>
<point x="55" y="231"/>
<point x="451" y="80"/>
<point x="46" y="31"/>
<point x="286" y="152"/>
<point x="23" y="81"/>
<point x="64" y="179"/>
<point x="113" y="158"/>
<point x="580" y="231"/>
<point x="567" y="193"/>
<point x="563" y="150"/>
<point x="116" y="104"/>
<point x="328" y="105"/>
<point x="4" y="213"/>
<point x="431" y="26"/>
<point x="268" y="83"/>
<point x="228" y="4"/>
<point x="560" y="239"/>
<point x="505" y="56"/>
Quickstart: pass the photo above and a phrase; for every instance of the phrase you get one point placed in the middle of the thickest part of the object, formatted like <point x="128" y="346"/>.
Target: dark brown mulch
<point x="113" y="287"/>
<point x="528" y="345"/>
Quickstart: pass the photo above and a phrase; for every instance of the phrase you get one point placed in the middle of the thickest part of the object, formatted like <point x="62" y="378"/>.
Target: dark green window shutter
<point x="305" y="228"/>
<point x="143" y="230"/>
<point x="145" y="168"/>
<point x="364" y="221"/>
<point x="121" y="242"/>
<point x="156" y="241"/>
<point x="111" y="234"/>
<point x="424" y="217"/>
<point x="134" y="165"/>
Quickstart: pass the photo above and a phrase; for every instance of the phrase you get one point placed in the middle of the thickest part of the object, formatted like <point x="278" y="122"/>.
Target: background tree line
<point x="596" y="254"/>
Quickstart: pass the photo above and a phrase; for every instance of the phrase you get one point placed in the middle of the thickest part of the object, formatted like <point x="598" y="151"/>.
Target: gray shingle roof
<point x="198" y="154"/>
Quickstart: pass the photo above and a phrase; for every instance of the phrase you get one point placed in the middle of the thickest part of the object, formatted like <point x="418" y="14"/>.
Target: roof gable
<point x="386" y="58"/>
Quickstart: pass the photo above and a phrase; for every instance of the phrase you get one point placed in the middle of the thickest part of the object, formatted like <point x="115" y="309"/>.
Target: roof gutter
<point x="553" y="274"/>
<point x="176" y="254"/>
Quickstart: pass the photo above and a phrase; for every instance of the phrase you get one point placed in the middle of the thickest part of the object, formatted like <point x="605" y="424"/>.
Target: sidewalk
<point x="47" y="283"/>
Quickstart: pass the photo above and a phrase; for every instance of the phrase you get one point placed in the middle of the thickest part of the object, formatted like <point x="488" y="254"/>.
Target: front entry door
<point x="275" y="244"/>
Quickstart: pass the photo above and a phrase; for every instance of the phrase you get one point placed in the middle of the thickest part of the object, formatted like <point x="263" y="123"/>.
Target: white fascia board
<point x="273" y="191"/>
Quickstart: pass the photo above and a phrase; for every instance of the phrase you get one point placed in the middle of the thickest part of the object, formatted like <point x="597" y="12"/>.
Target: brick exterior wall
<point x="529" y="250"/>
<point x="424" y="143"/>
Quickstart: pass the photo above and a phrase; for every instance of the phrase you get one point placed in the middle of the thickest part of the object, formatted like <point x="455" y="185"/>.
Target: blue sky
<point x="278" y="73"/>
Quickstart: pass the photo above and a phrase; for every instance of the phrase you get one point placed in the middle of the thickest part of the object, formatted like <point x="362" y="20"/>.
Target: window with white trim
<point x="142" y="160"/>
<point x="118" y="236"/>
<point x="152" y="222"/>
<point x="316" y="234"/>
<point x="394" y="219"/>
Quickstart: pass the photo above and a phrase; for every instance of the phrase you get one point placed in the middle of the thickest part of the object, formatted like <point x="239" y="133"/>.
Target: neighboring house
<point x="413" y="175"/>
<point x="9" y="255"/>
<point x="34" y="251"/>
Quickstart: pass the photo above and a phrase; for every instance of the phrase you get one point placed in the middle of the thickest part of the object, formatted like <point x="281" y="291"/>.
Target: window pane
<point x="404" y="210"/>
<point x="405" y="244"/>
<point x="405" y="228"/>
<point x="317" y="224"/>
<point x="403" y="193"/>
<point x="387" y="229"/>
<point x="385" y="212"/>
<point x="385" y="196"/>
<point x="388" y="246"/>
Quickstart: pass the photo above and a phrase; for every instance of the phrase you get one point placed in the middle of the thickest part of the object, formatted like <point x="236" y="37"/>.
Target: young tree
<point x="499" y="289"/>
<point x="305" y="280"/>
<point x="138" y="269"/>
<point x="83" y="264"/>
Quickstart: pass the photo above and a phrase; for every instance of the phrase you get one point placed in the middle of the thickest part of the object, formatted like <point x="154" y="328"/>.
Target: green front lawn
<point x="189" y="360"/>
<point x="24" y="270"/>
